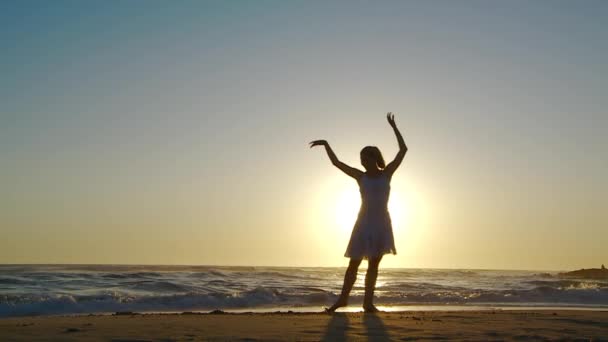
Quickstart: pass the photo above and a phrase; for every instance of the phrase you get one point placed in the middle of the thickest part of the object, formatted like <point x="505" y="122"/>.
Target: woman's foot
<point x="370" y="308"/>
<point x="340" y="303"/>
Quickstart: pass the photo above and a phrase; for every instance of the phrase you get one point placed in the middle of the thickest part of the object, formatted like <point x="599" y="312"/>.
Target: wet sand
<point x="386" y="326"/>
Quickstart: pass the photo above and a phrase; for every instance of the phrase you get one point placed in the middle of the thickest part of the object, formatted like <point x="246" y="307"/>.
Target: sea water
<point x="82" y="289"/>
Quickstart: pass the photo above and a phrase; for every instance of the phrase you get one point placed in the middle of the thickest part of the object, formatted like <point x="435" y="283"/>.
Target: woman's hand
<point x="318" y="143"/>
<point x="390" y="117"/>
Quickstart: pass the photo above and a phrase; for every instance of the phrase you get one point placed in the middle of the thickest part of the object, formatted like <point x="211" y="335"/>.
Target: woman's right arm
<point x="351" y="171"/>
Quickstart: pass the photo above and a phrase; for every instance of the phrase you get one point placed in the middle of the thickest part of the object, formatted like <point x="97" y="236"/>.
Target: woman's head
<point x="371" y="158"/>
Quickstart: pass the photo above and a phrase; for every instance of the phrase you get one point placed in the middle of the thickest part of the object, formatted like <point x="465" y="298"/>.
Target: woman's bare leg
<point x="370" y="284"/>
<point x="349" y="280"/>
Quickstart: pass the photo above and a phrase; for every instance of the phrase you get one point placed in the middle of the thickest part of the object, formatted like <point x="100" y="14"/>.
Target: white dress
<point x="372" y="234"/>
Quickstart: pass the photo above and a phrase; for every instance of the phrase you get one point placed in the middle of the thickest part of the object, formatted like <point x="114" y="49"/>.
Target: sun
<point x="333" y="212"/>
<point x="348" y="202"/>
<point x="399" y="207"/>
<point x="336" y="204"/>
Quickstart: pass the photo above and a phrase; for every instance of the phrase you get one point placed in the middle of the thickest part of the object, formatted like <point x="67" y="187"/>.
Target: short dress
<point x="372" y="234"/>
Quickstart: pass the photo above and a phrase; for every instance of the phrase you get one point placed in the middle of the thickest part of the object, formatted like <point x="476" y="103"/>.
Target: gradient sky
<point x="176" y="132"/>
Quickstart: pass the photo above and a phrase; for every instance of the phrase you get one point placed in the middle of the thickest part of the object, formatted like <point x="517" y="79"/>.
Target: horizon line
<point x="276" y="266"/>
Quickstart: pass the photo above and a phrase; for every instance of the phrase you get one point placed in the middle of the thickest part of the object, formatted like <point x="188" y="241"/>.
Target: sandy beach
<point x="386" y="326"/>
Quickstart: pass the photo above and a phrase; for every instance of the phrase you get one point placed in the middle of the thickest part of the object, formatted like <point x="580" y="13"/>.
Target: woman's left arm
<point x="392" y="166"/>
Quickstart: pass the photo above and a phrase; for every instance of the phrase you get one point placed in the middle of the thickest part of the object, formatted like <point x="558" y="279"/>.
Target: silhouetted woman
<point x="372" y="234"/>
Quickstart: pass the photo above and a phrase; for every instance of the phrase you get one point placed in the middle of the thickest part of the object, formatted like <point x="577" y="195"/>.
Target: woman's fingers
<point x="317" y="143"/>
<point x="391" y="118"/>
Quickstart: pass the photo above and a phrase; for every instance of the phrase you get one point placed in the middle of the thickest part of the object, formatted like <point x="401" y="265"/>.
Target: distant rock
<point x="217" y="312"/>
<point x="587" y="273"/>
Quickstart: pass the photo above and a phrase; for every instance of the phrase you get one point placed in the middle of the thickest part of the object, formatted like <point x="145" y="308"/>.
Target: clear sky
<point x="165" y="132"/>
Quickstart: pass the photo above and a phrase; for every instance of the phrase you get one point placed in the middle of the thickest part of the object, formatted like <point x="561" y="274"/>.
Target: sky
<point x="177" y="132"/>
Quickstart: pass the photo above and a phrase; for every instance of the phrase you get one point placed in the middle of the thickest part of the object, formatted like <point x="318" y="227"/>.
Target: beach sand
<point x="386" y="326"/>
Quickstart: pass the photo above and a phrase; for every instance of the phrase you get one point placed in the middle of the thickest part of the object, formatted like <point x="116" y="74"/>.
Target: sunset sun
<point x="348" y="202"/>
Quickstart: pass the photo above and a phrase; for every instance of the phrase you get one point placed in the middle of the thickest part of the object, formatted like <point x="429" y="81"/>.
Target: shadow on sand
<point x="375" y="328"/>
<point x="336" y="328"/>
<point x="338" y="325"/>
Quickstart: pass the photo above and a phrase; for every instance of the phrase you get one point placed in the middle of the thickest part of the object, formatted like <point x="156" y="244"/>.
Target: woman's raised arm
<point x="351" y="171"/>
<point x="392" y="166"/>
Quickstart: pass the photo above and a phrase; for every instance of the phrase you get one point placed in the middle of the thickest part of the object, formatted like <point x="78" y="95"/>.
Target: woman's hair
<point x="375" y="153"/>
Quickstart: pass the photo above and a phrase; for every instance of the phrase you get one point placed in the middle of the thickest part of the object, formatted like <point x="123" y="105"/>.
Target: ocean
<point x="84" y="289"/>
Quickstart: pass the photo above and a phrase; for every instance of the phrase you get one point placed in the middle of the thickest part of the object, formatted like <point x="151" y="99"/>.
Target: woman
<point x="372" y="235"/>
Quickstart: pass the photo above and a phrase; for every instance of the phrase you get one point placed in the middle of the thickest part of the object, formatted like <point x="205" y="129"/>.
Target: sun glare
<point x="347" y="208"/>
<point x="348" y="202"/>
<point x="337" y="204"/>
<point x="399" y="209"/>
